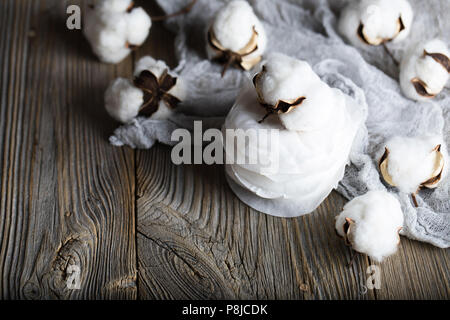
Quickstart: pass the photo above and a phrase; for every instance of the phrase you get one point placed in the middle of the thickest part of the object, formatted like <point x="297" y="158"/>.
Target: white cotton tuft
<point x="118" y="6"/>
<point x="376" y="219"/>
<point x="419" y="64"/>
<point x="233" y="28"/>
<point x="288" y="79"/>
<point x="139" y="24"/>
<point x="412" y="161"/>
<point x="375" y="21"/>
<point x="123" y="100"/>
<point x="111" y="29"/>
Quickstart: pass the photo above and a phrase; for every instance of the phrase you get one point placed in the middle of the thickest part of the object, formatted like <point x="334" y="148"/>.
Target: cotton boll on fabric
<point x="313" y="146"/>
<point x="236" y="29"/>
<point x="413" y="163"/>
<point x="371" y="223"/>
<point x="157" y="67"/>
<point x="233" y="26"/>
<point x="373" y="22"/>
<point x="424" y="70"/>
<point x="113" y="27"/>
<point x="123" y="100"/>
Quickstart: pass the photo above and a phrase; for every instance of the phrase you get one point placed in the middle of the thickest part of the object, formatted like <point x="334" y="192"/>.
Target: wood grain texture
<point x="67" y="196"/>
<point x="137" y="225"/>
<point x="196" y="240"/>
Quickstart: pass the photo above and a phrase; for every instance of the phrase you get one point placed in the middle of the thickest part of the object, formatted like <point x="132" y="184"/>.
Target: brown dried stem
<point x="396" y="62"/>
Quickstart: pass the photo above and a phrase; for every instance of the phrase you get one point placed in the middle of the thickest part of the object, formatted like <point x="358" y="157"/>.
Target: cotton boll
<point x="372" y="22"/>
<point x="111" y="29"/>
<point x="233" y="30"/>
<point x="123" y="100"/>
<point x="370" y="223"/>
<point x="285" y="79"/>
<point x="410" y="163"/>
<point x="424" y="70"/>
<point x="157" y="67"/>
<point x="154" y="93"/>
<point x="233" y="26"/>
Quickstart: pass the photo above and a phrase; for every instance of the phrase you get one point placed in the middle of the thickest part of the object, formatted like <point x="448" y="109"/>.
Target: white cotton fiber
<point x="417" y="65"/>
<point x="379" y="18"/>
<point x="138" y="27"/>
<point x="233" y="28"/>
<point x="111" y="29"/>
<point x="123" y="100"/>
<point x="412" y="161"/>
<point x="376" y="220"/>
<point x="286" y="79"/>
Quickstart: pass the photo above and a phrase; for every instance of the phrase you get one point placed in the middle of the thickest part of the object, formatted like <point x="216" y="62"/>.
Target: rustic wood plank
<point x="197" y="240"/>
<point x="67" y="196"/>
<point x="417" y="271"/>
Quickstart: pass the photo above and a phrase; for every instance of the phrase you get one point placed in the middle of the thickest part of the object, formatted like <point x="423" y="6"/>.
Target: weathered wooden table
<point x="134" y="224"/>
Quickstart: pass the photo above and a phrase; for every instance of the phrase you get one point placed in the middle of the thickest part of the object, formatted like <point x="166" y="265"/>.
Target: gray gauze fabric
<point x="308" y="30"/>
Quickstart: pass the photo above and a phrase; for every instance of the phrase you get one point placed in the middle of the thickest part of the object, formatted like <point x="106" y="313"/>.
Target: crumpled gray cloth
<point x="306" y="29"/>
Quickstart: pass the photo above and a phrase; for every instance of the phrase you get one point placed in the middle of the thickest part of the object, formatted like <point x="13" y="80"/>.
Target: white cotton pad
<point x="417" y="65"/>
<point x="376" y="219"/>
<point x="123" y="100"/>
<point x="233" y="28"/>
<point x="112" y="29"/>
<point x="412" y="161"/>
<point x="310" y="163"/>
<point x="375" y="21"/>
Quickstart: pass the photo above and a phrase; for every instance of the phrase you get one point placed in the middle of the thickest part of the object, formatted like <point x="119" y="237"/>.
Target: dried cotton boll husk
<point x="373" y="22"/>
<point x="236" y="36"/>
<point x="424" y="70"/>
<point x="114" y="28"/>
<point x="414" y="163"/>
<point x="290" y="88"/>
<point x="310" y="162"/>
<point x="123" y="100"/>
<point x="370" y="224"/>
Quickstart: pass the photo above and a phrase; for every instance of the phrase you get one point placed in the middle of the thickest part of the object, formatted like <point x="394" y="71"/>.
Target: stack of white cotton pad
<point x="314" y="142"/>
